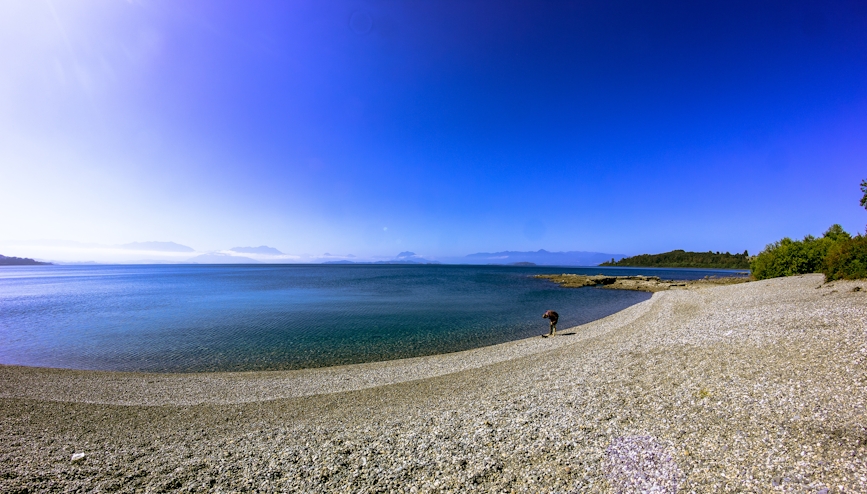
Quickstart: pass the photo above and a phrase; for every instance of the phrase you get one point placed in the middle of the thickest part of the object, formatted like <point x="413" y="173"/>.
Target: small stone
<point x="77" y="457"/>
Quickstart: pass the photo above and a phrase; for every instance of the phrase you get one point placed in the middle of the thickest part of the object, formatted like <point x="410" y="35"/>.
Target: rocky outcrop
<point x="640" y="283"/>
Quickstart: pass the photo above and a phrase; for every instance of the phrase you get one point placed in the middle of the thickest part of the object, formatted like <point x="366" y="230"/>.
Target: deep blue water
<point x="188" y="318"/>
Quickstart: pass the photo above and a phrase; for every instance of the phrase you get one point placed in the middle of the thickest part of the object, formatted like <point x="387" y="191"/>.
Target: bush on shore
<point x="789" y="257"/>
<point x="836" y="254"/>
<point x="847" y="260"/>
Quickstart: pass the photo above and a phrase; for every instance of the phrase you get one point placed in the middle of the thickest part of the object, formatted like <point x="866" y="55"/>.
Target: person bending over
<point x="552" y="317"/>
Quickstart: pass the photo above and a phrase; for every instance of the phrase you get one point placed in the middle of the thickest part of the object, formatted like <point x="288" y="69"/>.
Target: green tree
<point x="683" y="259"/>
<point x="864" y="190"/>
<point x="836" y="233"/>
<point x="847" y="260"/>
<point x="791" y="257"/>
<point x="837" y="254"/>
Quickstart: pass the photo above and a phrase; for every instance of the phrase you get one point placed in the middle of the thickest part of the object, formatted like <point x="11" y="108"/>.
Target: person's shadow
<point x="559" y="334"/>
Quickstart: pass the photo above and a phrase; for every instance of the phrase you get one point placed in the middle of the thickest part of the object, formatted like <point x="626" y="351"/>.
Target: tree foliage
<point x="836" y="254"/>
<point x="683" y="259"/>
<point x="864" y="190"/>
<point x="847" y="260"/>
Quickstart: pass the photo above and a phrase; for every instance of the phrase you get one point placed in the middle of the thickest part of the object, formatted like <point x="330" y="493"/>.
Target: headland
<point x="20" y="261"/>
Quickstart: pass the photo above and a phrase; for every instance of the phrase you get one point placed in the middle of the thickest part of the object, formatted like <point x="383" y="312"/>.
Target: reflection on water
<point x="185" y="318"/>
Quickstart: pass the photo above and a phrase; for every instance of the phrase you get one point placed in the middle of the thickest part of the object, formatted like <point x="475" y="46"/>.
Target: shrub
<point x="791" y="257"/>
<point x="847" y="259"/>
<point x="786" y="257"/>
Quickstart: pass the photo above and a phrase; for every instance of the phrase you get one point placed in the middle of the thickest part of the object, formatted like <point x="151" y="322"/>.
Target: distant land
<point x="262" y="249"/>
<point x="20" y="261"/>
<point x="394" y="261"/>
<point x="397" y="261"/>
<point x="153" y="252"/>
<point x="157" y="246"/>
<point x="405" y="257"/>
<point x="216" y="258"/>
<point x="683" y="259"/>
<point x="540" y="257"/>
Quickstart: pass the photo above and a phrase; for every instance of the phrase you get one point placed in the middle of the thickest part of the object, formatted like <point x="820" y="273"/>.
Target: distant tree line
<point x="683" y="259"/>
<point x="836" y="254"/>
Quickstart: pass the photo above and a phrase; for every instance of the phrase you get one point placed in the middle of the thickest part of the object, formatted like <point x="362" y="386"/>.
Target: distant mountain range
<point x="542" y="257"/>
<point x="514" y="258"/>
<point x="216" y="258"/>
<point x="402" y="258"/>
<point x="396" y="261"/>
<point x="262" y="249"/>
<point x="153" y="252"/>
<point x="157" y="246"/>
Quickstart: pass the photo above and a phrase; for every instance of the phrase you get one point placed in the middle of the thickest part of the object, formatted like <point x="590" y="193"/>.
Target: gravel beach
<point x="755" y="387"/>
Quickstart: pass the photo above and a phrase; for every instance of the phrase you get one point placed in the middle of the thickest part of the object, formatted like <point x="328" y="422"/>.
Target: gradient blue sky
<point x="440" y="127"/>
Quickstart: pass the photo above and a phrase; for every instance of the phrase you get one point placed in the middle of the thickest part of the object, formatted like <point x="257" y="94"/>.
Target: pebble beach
<point x="753" y="387"/>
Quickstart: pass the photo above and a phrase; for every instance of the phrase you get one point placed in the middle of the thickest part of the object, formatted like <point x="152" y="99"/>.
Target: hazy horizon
<point x="155" y="252"/>
<point x="330" y="129"/>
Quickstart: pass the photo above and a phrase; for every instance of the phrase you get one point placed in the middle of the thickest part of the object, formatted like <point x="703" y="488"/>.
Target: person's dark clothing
<point x="552" y="316"/>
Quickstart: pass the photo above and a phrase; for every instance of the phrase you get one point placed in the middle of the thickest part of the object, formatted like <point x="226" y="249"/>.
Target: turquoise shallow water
<point x="189" y="318"/>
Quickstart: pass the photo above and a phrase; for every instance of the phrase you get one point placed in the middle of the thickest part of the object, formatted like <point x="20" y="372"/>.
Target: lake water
<point x="190" y="318"/>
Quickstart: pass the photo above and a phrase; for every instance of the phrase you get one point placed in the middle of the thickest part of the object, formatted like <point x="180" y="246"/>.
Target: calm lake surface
<point x="191" y="318"/>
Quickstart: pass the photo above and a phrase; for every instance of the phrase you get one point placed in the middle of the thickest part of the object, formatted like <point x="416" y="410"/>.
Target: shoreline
<point x="216" y="322"/>
<point x="641" y="283"/>
<point x="150" y="389"/>
<point x="750" y="387"/>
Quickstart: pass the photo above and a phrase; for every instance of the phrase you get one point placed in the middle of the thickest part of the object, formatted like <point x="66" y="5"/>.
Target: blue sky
<point x="443" y="128"/>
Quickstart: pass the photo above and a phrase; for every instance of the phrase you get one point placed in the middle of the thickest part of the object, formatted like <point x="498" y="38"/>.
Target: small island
<point x="20" y="261"/>
<point x="682" y="259"/>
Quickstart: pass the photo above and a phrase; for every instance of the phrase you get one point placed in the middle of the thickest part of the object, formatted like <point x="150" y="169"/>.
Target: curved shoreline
<point x="754" y="387"/>
<point x="150" y="389"/>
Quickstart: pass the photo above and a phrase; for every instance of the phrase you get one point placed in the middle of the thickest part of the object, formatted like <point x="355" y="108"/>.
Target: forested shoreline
<point x="684" y="259"/>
